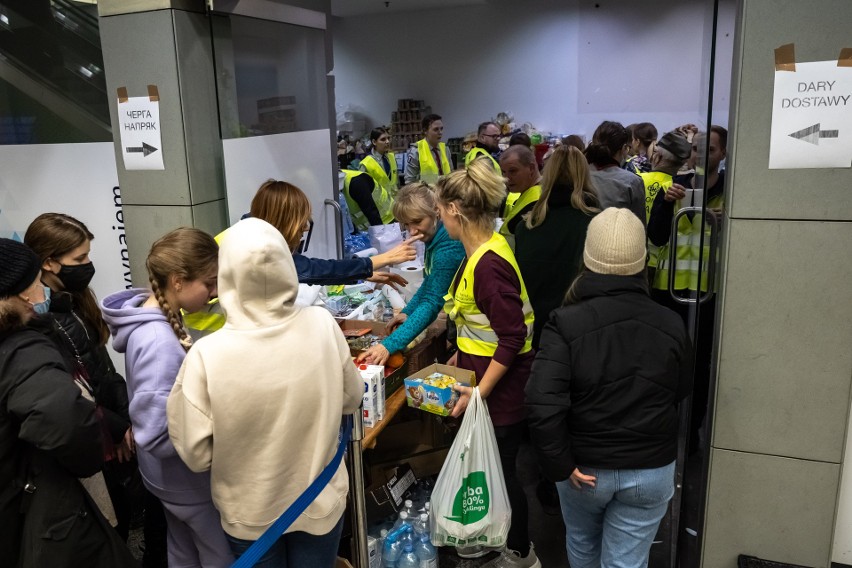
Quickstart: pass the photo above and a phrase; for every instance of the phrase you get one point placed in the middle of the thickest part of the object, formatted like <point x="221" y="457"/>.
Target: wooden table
<point x="393" y="405"/>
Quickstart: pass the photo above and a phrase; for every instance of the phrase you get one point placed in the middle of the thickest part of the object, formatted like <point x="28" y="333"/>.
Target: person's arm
<point x="361" y="190"/>
<point x="548" y="402"/>
<point x="637" y="198"/>
<point x="662" y="213"/>
<point x="189" y="415"/>
<point x="412" y="165"/>
<point x="428" y="302"/>
<point x="50" y="409"/>
<point x="329" y="272"/>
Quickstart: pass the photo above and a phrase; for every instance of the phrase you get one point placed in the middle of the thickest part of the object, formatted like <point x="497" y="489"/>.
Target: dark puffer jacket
<point x="607" y="378"/>
<point x="49" y="437"/>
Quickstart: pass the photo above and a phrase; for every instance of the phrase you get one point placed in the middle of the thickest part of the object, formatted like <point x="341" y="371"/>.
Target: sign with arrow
<point x="139" y="123"/>
<point x="811" y="116"/>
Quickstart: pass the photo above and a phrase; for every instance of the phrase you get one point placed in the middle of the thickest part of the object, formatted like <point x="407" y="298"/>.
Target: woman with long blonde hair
<point x="549" y="244"/>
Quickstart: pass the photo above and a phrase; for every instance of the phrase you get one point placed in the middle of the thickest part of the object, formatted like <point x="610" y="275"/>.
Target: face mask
<point x="77" y="277"/>
<point x="43" y="307"/>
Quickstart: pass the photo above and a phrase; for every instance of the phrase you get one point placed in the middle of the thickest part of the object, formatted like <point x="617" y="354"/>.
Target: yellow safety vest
<point x="429" y="172"/>
<point x="511" y="198"/>
<point x="688" y="255"/>
<point x="475" y="335"/>
<point x="528" y="197"/>
<point x="654" y="183"/>
<point x="208" y="319"/>
<point x="377" y="172"/>
<point x="475" y="153"/>
<point x="380" y="196"/>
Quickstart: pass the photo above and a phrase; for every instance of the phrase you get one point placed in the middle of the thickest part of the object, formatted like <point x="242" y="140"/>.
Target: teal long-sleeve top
<point x="442" y="259"/>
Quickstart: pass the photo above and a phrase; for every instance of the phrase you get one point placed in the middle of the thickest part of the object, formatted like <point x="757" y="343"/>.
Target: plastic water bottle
<point x="391" y="551"/>
<point x="408" y="558"/>
<point x="403" y="519"/>
<point x="421" y="525"/>
<point x="426" y="553"/>
<point x="408" y="507"/>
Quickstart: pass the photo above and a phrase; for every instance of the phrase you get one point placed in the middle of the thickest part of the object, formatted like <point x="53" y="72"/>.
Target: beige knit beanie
<point x="615" y="243"/>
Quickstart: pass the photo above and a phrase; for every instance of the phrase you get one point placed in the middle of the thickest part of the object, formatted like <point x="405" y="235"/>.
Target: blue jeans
<point x="612" y="525"/>
<point x="296" y="549"/>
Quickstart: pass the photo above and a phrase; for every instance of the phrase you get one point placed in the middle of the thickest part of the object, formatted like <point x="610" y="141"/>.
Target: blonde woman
<point x="549" y="243"/>
<point x="489" y="304"/>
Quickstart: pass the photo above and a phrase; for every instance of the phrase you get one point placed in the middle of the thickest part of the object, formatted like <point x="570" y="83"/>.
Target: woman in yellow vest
<point x="380" y="164"/>
<point x="488" y="302"/>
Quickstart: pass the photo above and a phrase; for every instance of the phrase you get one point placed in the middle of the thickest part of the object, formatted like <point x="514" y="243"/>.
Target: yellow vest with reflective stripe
<point x="380" y="196"/>
<point x="510" y="201"/>
<point x="475" y="153"/>
<point x="377" y="172"/>
<point x="429" y="172"/>
<point x="475" y="335"/>
<point x="688" y="254"/>
<point x="654" y="183"/>
<point x="528" y="197"/>
<point x="210" y="318"/>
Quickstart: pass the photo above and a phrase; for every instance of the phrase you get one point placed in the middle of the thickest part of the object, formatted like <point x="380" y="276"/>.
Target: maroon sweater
<point x="497" y="291"/>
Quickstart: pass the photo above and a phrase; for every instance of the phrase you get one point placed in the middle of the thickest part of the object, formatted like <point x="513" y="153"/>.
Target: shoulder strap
<point x="273" y="533"/>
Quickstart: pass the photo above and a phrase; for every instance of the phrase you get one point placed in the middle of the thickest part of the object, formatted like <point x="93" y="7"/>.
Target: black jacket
<point x="49" y="437"/>
<point x="109" y="387"/>
<point x="607" y="378"/>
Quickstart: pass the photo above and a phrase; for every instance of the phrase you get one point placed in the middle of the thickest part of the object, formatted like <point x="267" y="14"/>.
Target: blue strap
<point x="273" y="533"/>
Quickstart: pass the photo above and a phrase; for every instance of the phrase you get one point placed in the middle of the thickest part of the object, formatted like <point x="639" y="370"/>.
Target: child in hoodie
<point x="259" y="402"/>
<point x="147" y="327"/>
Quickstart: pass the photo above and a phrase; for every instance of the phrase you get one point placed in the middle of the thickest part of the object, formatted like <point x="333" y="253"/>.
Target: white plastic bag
<point x="469" y="503"/>
<point x="384" y="237"/>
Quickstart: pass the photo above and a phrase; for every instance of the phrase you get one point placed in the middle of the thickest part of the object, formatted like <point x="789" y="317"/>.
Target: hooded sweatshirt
<point x="153" y="356"/>
<point x="259" y="402"/>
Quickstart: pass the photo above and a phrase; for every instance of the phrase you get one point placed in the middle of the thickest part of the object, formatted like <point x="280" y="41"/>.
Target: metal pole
<point x="338" y="226"/>
<point x="360" y="554"/>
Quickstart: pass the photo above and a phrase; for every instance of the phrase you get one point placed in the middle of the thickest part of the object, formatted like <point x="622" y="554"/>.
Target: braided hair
<point x="188" y="254"/>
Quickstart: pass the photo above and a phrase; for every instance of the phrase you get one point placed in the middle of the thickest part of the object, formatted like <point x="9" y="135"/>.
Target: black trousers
<point x="509" y="440"/>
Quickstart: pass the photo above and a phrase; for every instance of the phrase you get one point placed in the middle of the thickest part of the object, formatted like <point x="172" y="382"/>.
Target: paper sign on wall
<point x="811" y="112"/>
<point x="139" y="123"/>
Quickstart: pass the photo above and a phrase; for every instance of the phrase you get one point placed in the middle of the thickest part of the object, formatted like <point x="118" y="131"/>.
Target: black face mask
<point x="76" y="278"/>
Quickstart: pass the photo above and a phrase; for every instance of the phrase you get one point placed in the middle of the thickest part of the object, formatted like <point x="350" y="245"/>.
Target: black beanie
<point x="19" y="266"/>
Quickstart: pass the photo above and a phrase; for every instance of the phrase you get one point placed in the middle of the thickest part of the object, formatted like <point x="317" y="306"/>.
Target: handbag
<point x="256" y="551"/>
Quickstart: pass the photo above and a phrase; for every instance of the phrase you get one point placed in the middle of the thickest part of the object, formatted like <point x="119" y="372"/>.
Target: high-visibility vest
<point x="689" y="257"/>
<point x="528" y="197"/>
<point x="380" y="196"/>
<point x="208" y="319"/>
<point x="377" y="172"/>
<point x="475" y="335"/>
<point x="429" y="172"/>
<point x="654" y="183"/>
<point x="511" y="198"/>
<point x="475" y="153"/>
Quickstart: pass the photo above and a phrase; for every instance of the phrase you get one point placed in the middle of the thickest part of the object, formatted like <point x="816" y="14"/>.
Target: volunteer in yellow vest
<point x="522" y="178"/>
<point x="369" y="202"/>
<point x="428" y="159"/>
<point x="487" y="145"/>
<point x="670" y="153"/>
<point x="489" y="304"/>
<point x="380" y="164"/>
<point x="287" y="208"/>
<point x="689" y="256"/>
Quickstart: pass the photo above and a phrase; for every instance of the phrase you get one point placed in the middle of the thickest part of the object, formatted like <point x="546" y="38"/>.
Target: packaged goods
<point x="376" y="375"/>
<point x="374" y="552"/>
<point x="370" y="409"/>
<point x="431" y="389"/>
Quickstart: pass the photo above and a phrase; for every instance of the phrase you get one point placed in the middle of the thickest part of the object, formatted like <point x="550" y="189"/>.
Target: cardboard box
<point x="374" y="554"/>
<point x="375" y="374"/>
<point x="342" y="563"/>
<point x="370" y="406"/>
<point x="434" y="399"/>
<point x="385" y="496"/>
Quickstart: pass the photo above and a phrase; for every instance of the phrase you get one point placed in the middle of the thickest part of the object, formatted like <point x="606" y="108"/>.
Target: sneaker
<point x="476" y="551"/>
<point x="513" y="559"/>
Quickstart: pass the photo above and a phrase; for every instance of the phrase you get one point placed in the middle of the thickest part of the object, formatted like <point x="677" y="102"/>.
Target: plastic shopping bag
<point x="385" y="237"/>
<point x="469" y="503"/>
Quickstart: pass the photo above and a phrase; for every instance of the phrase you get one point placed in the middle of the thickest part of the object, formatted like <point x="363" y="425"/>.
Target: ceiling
<point x="349" y="8"/>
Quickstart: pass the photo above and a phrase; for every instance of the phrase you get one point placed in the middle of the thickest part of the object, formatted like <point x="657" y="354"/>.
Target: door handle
<point x="708" y="216"/>
<point x="338" y="225"/>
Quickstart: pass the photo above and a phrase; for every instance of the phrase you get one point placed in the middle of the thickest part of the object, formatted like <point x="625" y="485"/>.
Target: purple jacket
<point x="153" y="355"/>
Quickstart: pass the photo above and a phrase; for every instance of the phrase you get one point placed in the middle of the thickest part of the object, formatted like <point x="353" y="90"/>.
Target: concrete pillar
<point x="166" y="43"/>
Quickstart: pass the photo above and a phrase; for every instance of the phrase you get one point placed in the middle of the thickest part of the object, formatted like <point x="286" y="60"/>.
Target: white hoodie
<point x="259" y="402"/>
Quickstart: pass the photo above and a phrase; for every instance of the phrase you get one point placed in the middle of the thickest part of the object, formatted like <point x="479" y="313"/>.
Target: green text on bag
<point x="472" y="501"/>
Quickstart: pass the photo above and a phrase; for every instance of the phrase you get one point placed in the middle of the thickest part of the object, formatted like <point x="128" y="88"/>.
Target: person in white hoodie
<point x="259" y="403"/>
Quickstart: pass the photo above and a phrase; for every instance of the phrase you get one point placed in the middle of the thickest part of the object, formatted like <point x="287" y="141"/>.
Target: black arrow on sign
<point x="145" y="149"/>
<point x="813" y="134"/>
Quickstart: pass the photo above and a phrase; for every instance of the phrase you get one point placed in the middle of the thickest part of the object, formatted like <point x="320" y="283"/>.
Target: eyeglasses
<point x="494" y="136"/>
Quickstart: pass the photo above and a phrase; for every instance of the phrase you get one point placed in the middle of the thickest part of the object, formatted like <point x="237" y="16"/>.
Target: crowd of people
<point x="557" y="282"/>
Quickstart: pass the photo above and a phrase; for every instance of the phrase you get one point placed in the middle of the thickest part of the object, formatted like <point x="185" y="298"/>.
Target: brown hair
<point x="477" y="191"/>
<point x="186" y="253"/>
<point x="285" y="207"/>
<point x="52" y="235"/>
<point x="566" y="166"/>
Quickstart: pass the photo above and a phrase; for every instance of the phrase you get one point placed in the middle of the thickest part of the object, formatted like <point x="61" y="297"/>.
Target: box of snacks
<point x="431" y="389"/>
